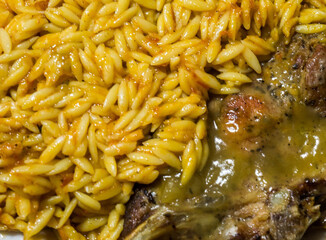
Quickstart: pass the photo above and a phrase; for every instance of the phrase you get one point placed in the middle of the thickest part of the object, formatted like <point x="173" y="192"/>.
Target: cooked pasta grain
<point x="97" y="95"/>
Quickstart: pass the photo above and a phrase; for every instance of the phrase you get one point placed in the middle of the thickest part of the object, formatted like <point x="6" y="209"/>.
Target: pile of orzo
<point x="98" y="95"/>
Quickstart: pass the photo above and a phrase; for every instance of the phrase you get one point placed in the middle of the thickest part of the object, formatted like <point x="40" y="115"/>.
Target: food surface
<point x="96" y="96"/>
<point x="265" y="177"/>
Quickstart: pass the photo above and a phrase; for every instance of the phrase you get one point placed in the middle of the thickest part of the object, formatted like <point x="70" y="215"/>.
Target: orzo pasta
<point x="97" y="95"/>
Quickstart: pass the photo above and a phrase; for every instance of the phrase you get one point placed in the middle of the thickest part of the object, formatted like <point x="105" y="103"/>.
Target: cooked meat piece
<point x="246" y="116"/>
<point x="282" y="214"/>
<point x="316" y="68"/>
<point x="314" y="81"/>
<point x="138" y="210"/>
<point x="285" y="214"/>
<point x="298" y="72"/>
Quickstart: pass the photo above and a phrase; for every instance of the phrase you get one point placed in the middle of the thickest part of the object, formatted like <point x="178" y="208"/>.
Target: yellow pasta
<point x="99" y="95"/>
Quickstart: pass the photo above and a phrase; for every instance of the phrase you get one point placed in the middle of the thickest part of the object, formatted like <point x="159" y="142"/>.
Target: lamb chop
<point x="266" y="176"/>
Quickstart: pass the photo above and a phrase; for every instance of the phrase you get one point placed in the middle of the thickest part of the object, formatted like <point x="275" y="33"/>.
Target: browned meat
<point x="284" y="214"/>
<point x="280" y="214"/>
<point x="299" y="71"/>
<point x="316" y="67"/>
<point x="138" y="210"/>
<point x="244" y="116"/>
<point x="314" y="81"/>
<point x="248" y="115"/>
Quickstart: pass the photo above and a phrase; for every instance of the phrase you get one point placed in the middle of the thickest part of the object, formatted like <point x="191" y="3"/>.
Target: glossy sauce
<point x="296" y="151"/>
<point x="293" y="150"/>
